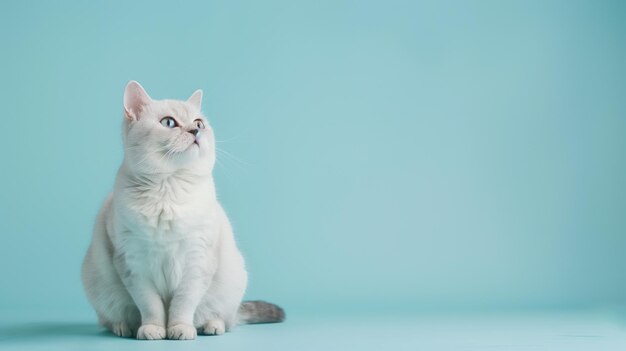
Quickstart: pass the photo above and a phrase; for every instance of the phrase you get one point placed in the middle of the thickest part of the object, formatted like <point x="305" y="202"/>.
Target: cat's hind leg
<point x="214" y="326"/>
<point x="121" y="329"/>
<point x="217" y="312"/>
<point x="107" y="294"/>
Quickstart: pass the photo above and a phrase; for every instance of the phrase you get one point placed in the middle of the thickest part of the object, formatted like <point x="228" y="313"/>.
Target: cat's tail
<point x="253" y="312"/>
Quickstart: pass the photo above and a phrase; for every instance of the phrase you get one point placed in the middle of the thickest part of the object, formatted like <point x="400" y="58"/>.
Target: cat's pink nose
<point x="194" y="132"/>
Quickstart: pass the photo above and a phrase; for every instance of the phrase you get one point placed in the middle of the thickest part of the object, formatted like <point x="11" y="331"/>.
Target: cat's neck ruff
<point x="185" y="180"/>
<point x="171" y="192"/>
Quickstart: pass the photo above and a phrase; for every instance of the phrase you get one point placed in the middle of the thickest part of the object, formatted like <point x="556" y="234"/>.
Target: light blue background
<point x="386" y="156"/>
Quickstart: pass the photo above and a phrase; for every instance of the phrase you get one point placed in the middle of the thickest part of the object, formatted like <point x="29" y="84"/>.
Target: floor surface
<point x="513" y="331"/>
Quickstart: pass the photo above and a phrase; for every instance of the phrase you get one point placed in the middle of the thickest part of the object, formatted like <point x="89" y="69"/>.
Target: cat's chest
<point x="165" y="215"/>
<point x="157" y="225"/>
<point x="161" y="241"/>
<point x="165" y="263"/>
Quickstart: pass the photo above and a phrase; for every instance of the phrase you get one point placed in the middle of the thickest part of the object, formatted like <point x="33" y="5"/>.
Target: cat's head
<point x="165" y="136"/>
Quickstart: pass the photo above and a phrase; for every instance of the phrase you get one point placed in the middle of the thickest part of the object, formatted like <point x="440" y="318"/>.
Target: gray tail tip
<point x="253" y="312"/>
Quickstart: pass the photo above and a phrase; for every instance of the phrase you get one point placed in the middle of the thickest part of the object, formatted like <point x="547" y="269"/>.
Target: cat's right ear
<point x="135" y="99"/>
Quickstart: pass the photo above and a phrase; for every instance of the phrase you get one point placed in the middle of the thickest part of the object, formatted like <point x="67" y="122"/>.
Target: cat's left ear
<point x="196" y="99"/>
<point x="135" y="100"/>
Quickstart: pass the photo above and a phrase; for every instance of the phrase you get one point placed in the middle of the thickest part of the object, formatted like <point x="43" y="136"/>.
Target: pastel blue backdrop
<point x="383" y="156"/>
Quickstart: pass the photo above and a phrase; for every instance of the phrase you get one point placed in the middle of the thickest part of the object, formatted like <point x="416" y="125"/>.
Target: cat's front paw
<point x="181" y="332"/>
<point x="150" y="332"/>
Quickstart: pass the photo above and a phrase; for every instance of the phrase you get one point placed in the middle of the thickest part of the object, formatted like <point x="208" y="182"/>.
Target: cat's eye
<point x="199" y="124"/>
<point x="169" y="122"/>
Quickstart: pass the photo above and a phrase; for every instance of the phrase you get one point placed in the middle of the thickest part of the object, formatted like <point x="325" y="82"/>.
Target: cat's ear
<point x="196" y="99"/>
<point x="135" y="99"/>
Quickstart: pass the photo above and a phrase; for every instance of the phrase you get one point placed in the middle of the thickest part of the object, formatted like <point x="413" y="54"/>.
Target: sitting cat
<point x="163" y="260"/>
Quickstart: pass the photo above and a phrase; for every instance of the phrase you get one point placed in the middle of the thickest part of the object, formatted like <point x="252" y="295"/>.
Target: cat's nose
<point x="194" y="131"/>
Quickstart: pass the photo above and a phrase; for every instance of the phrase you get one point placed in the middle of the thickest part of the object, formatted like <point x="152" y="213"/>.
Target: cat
<point x="163" y="262"/>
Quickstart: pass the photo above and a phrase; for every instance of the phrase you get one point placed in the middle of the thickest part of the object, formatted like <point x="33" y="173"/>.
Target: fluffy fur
<point x="163" y="260"/>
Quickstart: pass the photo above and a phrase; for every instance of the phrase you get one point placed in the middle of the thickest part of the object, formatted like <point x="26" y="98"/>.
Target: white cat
<point x="163" y="260"/>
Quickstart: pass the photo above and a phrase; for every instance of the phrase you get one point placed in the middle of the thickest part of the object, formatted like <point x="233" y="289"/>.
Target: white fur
<point x="163" y="260"/>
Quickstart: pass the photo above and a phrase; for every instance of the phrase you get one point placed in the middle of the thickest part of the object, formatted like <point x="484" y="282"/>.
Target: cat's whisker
<point x="144" y="159"/>
<point x="229" y="139"/>
<point x="223" y="168"/>
<point x="226" y="162"/>
<point x="232" y="159"/>
<point x="230" y="164"/>
<point x="231" y="155"/>
<point x="148" y="156"/>
<point x="165" y="156"/>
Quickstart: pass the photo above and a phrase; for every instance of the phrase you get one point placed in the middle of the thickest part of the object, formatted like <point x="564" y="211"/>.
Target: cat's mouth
<point x="192" y="144"/>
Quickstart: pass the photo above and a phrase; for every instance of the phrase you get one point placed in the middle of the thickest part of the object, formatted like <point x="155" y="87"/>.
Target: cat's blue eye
<point x="199" y="124"/>
<point x="169" y="122"/>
